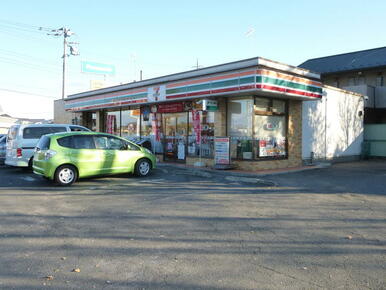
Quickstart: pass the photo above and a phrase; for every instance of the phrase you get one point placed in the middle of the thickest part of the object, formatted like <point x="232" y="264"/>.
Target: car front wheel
<point x="142" y="167"/>
<point x="66" y="175"/>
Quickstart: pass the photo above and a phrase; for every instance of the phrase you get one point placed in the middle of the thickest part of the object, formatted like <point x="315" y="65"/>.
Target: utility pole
<point x="65" y="35"/>
<point x="65" y="32"/>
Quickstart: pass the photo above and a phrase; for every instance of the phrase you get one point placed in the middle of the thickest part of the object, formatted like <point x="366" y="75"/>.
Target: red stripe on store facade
<point x="108" y="105"/>
<point x="285" y="90"/>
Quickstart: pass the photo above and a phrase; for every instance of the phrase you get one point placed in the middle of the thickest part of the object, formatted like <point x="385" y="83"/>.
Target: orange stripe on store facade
<point x="117" y="94"/>
<point x="287" y="77"/>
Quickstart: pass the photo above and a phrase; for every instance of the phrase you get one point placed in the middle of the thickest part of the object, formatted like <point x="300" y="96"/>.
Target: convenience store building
<point x="257" y="103"/>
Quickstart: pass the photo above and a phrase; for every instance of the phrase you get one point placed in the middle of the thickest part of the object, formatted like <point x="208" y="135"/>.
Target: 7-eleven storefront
<point x="257" y="103"/>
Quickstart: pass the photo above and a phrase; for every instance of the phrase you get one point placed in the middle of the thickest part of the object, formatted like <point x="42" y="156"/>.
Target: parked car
<point x="3" y="139"/>
<point x="22" y="140"/>
<point x="65" y="157"/>
<point x="146" y="143"/>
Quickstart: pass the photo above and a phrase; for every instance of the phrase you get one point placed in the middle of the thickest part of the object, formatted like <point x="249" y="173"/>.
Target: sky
<point x="165" y="37"/>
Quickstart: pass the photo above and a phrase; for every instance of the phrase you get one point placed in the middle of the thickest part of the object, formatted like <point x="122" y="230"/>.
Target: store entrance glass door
<point x="175" y="136"/>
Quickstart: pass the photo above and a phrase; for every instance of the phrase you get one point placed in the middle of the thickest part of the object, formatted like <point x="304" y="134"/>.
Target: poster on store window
<point x="197" y="125"/>
<point x="272" y="147"/>
<point x="110" y="124"/>
<point x="262" y="148"/>
<point x="156" y="126"/>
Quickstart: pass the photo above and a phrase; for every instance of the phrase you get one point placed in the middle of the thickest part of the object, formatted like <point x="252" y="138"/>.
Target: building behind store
<point x="256" y="103"/>
<point x="363" y="72"/>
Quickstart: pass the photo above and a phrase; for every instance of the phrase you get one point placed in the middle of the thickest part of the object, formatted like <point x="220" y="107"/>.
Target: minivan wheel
<point x="142" y="167"/>
<point x="66" y="175"/>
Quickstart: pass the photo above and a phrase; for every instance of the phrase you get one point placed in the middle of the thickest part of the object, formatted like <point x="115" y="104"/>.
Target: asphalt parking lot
<point x="318" y="229"/>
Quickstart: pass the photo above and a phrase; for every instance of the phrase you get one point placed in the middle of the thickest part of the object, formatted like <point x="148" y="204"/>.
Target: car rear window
<point x="37" y="132"/>
<point x="44" y="143"/>
<point x="65" y="142"/>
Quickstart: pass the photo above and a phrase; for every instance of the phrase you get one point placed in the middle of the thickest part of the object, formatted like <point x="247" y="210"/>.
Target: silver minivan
<point x="22" y="139"/>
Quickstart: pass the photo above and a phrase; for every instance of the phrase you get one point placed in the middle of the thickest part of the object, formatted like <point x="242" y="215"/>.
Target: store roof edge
<point x="221" y="68"/>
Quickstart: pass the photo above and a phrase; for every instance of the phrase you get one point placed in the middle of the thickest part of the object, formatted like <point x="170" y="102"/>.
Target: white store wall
<point x="332" y="127"/>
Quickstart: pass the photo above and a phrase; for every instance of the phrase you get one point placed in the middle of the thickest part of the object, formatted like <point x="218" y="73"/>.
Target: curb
<point x="200" y="171"/>
<point x="247" y="177"/>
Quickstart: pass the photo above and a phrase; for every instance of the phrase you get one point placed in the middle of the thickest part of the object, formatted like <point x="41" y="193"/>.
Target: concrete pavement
<point x="316" y="229"/>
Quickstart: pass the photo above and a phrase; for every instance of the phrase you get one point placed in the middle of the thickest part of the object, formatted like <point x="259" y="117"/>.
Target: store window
<point x="240" y="113"/>
<point x="175" y="128"/>
<point x="270" y="128"/>
<point x="151" y="130"/>
<point x="257" y="128"/>
<point x="201" y="134"/>
<point x="145" y="123"/>
<point x="94" y="121"/>
<point x="130" y="124"/>
<point x="113" y="121"/>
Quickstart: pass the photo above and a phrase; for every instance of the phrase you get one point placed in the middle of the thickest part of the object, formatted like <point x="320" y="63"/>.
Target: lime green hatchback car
<point x="65" y="157"/>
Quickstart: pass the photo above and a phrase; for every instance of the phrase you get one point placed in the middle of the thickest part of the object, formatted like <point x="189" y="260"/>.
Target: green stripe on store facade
<point x="106" y="101"/>
<point x="205" y="86"/>
<point x="288" y="84"/>
<point x="211" y="85"/>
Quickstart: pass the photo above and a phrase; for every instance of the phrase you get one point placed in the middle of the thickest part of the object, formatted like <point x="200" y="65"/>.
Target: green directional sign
<point x="97" y="68"/>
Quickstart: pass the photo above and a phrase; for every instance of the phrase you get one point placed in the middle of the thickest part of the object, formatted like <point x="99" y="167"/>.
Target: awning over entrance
<point x="254" y="76"/>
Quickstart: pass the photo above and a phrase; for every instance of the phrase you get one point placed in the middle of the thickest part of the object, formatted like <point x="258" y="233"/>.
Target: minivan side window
<point x="83" y="142"/>
<point x="37" y="132"/>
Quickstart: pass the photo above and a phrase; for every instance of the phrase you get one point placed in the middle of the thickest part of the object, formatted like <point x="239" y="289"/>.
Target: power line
<point x="24" y="25"/>
<point x="35" y="66"/>
<point x="26" y="93"/>
<point x="24" y="87"/>
<point x="21" y="29"/>
<point x="26" y="56"/>
<point x="30" y="60"/>
<point x="21" y="35"/>
<point x="28" y="65"/>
